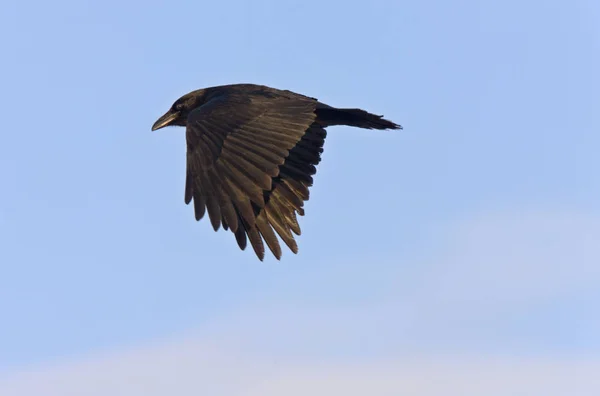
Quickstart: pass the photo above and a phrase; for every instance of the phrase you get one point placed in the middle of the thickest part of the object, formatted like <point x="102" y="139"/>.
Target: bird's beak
<point x="165" y="120"/>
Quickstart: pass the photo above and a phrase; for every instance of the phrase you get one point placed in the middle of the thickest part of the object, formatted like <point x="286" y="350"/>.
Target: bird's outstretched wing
<point x="250" y="161"/>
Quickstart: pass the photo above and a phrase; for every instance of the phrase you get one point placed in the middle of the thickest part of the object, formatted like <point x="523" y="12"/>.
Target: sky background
<point x="457" y="256"/>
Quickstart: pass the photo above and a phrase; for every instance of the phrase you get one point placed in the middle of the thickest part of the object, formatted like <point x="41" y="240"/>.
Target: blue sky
<point x="498" y="100"/>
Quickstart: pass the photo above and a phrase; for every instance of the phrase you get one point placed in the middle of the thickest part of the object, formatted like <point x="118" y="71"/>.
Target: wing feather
<point x="250" y="165"/>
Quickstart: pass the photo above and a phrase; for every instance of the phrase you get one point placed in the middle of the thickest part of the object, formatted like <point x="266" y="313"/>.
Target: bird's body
<point x="251" y="157"/>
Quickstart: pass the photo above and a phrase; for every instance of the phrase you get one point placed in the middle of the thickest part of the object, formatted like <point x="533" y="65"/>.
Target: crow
<point x="252" y="152"/>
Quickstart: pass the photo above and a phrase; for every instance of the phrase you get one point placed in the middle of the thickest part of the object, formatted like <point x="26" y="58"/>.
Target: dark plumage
<point x="251" y="157"/>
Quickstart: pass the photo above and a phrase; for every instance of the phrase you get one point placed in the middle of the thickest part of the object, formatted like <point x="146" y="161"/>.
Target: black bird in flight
<point x="251" y="155"/>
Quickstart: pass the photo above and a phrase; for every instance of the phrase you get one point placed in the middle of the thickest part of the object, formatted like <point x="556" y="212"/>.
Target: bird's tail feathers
<point x="354" y="117"/>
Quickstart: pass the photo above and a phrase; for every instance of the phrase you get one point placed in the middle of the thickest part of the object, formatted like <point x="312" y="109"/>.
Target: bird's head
<point x="179" y="111"/>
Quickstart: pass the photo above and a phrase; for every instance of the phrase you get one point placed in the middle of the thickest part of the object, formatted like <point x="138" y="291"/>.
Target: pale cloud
<point x="192" y="367"/>
<point x="434" y="335"/>
<point x="520" y="257"/>
<point x="513" y="281"/>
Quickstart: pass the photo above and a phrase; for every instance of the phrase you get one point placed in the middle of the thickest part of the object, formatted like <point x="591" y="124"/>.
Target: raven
<point x="251" y="157"/>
